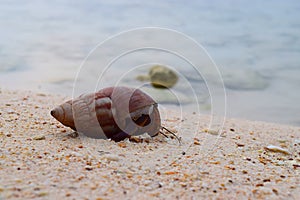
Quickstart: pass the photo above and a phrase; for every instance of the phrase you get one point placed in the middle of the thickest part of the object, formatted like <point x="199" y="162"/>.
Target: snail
<point x="114" y="112"/>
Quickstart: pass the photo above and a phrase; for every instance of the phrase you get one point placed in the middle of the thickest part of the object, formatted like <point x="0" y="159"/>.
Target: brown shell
<point x="114" y="112"/>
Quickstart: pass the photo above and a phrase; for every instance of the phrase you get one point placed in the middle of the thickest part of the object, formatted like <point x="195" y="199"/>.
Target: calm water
<point x="255" y="44"/>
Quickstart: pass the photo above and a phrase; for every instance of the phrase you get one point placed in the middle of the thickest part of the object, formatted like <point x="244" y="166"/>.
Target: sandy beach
<point x="40" y="158"/>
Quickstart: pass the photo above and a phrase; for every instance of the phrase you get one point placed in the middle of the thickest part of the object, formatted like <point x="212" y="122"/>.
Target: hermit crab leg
<point x="162" y="134"/>
<point x="164" y="128"/>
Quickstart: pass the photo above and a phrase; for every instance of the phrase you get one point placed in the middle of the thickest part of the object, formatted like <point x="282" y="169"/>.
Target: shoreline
<point x="39" y="158"/>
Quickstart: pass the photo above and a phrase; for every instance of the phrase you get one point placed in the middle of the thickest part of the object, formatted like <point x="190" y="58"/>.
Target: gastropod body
<point x="114" y="112"/>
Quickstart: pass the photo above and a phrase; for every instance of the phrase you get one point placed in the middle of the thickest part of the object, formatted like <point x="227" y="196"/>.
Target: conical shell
<point x="63" y="113"/>
<point x="114" y="112"/>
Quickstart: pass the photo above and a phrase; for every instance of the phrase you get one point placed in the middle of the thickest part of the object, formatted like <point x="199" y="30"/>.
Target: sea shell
<point x="115" y="112"/>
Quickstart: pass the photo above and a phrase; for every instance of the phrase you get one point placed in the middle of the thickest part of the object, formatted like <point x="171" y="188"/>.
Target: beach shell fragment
<point x="40" y="137"/>
<point x="274" y="148"/>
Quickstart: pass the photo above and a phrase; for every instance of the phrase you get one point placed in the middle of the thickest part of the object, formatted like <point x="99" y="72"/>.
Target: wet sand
<point x="40" y="159"/>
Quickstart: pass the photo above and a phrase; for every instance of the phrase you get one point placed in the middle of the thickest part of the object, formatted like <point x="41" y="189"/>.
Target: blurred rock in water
<point x="162" y="77"/>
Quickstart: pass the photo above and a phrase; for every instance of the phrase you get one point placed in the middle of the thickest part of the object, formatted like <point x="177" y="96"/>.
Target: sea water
<point x="254" y="44"/>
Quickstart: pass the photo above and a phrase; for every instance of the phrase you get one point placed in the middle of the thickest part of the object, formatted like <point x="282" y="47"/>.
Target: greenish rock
<point x="162" y="77"/>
